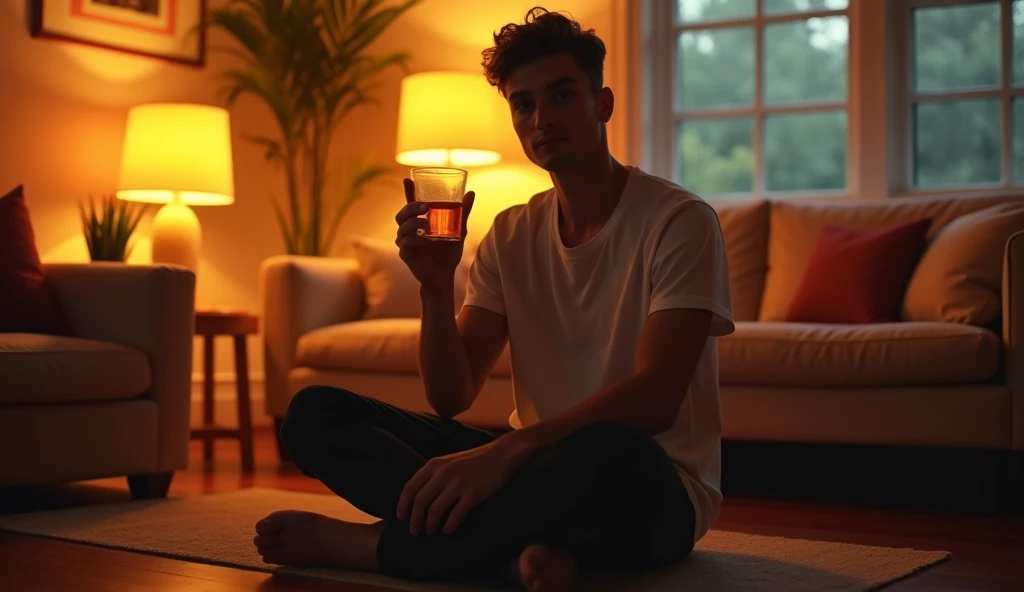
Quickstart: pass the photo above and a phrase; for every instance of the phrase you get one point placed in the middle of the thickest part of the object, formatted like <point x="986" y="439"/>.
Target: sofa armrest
<point x="1013" y="331"/>
<point x="147" y="307"/>
<point x="299" y="294"/>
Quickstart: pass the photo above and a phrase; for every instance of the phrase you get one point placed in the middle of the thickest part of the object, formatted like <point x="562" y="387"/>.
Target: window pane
<point x="790" y="6"/>
<point x="806" y="60"/>
<point x="805" y="151"/>
<point x="716" y="156"/>
<point x="956" y="47"/>
<point x="702" y="11"/>
<point x="717" y="68"/>
<point x="1018" y="142"/>
<point x="1018" y="42"/>
<point x="957" y="143"/>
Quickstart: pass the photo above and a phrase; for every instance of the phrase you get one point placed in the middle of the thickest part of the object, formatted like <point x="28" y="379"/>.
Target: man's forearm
<point x="443" y="361"/>
<point x="638" y="401"/>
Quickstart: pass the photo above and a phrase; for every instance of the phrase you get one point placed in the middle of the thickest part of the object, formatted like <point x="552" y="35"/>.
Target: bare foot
<point x="543" y="569"/>
<point x="294" y="537"/>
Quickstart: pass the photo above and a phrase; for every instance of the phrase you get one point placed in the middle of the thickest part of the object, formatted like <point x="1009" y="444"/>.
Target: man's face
<point x="556" y="114"/>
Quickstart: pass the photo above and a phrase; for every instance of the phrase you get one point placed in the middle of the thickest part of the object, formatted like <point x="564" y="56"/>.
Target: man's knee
<point x="308" y="411"/>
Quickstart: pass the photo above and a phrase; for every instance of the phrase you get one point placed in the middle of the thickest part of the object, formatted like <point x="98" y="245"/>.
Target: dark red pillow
<point x="27" y="303"/>
<point x="859" y="275"/>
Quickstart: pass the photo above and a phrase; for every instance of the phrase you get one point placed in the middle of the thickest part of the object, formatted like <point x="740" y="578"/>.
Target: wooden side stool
<point x="237" y="324"/>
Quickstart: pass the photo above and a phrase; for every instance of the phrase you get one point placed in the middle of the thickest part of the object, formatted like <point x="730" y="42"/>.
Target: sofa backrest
<point x="745" y="230"/>
<point x="769" y="242"/>
<point x="795" y="225"/>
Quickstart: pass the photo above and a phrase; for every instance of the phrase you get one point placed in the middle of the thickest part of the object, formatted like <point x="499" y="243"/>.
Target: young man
<point x="610" y="290"/>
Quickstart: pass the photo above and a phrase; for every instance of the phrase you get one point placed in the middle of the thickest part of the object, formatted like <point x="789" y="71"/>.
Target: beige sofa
<point x="932" y="383"/>
<point x="114" y="398"/>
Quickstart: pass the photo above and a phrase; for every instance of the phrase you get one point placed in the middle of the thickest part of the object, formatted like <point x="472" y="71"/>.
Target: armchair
<point x="111" y="399"/>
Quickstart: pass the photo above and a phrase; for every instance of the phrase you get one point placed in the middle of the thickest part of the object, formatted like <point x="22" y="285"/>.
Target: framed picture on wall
<point x="164" y="29"/>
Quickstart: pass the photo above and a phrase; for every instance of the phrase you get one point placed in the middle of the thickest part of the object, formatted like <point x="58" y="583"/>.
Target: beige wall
<point x="62" y="111"/>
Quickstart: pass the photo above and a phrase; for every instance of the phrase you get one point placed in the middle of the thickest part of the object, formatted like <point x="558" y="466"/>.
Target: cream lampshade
<point x="447" y="119"/>
<point x="177" y="154"/>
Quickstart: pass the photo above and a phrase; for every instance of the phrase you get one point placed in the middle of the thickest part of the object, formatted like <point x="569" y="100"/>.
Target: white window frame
<point x="659" y="32"/>
<point x="904" y="98"/>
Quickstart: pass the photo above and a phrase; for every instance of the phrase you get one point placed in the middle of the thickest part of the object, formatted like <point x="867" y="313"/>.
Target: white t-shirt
<point x="575" y="315"/>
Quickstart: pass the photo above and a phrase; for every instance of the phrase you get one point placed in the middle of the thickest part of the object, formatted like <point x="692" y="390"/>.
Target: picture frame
<point x="164" y="29"/>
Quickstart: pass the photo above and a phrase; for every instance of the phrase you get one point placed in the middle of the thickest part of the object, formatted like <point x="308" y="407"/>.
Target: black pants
<point x="607" y="492"/>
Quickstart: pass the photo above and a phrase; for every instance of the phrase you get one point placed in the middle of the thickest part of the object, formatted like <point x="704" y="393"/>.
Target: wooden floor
<point x="988" y="551"/>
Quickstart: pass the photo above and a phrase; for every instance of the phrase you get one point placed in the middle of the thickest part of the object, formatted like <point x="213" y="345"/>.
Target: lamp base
<point x="176" y="236"/>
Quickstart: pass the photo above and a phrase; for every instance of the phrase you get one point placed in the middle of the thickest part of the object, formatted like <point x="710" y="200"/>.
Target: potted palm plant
<point x="307" y="61"/>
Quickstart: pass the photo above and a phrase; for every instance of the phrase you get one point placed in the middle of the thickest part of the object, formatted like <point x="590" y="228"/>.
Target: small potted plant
<point x="108" y="228"/>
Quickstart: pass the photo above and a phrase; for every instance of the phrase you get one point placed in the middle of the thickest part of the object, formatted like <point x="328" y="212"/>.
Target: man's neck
<point x="587" y="197"/>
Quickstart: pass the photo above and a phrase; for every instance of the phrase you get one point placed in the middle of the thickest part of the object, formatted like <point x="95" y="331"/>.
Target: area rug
<point x="218" y="529"/>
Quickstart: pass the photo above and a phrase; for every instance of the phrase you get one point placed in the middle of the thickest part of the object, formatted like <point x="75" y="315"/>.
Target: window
<point x="960" y="101"/>
<point x="756" y="91"/>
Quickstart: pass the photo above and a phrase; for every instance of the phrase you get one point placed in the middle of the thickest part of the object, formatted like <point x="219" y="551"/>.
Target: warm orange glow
<point x="448" y="157"/>
<point x="177" y="152"/>
<point x="111" y="66"/>
<point x="448" y="119"/>
<point x="498" y="188"/>
<point x="73" y="249"/>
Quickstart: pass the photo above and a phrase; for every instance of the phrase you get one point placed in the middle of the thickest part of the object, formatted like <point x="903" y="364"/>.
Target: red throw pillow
<point x="859" y="275"/>
<point x="27" y="303"/>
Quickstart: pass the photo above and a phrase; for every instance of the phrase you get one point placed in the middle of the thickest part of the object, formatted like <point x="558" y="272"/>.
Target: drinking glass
<point x="442" y="189"/>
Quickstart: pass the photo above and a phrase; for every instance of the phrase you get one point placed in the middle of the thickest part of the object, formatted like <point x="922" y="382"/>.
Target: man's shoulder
<point x="520" y="217"/>
<point x="663" y="200"/>
<point x="663" y="191"/>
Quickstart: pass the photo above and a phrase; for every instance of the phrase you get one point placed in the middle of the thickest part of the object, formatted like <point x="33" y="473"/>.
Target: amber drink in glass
<point x="442" y="189"/>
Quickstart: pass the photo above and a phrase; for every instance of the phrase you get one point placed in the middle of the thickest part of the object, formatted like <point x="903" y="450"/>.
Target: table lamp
<point x="447" y="119"/>
<point x="177" y="154"/>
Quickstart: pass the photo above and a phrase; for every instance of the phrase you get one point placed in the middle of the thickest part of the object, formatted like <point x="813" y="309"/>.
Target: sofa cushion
<point x="745" y="231"/>
<point x="46" y="369"/>
<point x="882" y="354"/>
<point x="391" y="289"/>
<point x="959" y="279"/>
<point x="375" y="345"/>
<point x="795" y="225"/>
<point x="858" y="275"/>
<point x="28" y="303"/>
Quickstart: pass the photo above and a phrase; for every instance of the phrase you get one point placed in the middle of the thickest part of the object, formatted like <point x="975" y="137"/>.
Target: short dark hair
<point x="542" y="34"/>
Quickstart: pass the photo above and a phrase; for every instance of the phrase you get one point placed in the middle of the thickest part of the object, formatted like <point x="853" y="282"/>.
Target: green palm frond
<point x="274" y="150"/>
<point x="246" y="31"/>
<point x="283" y="224"/>
<point x="371" y="28"/>
<point x="358" y="175"/>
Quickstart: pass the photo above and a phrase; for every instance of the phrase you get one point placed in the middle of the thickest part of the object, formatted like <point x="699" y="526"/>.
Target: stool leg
<point x="244" y="411"/>
<point x="208" y="395"/>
